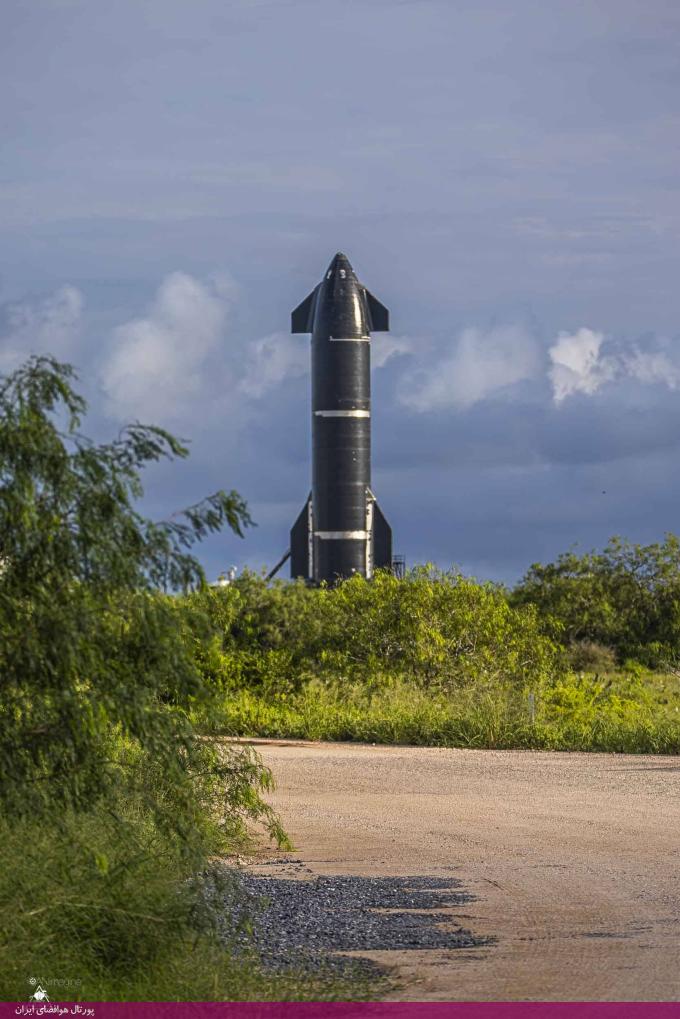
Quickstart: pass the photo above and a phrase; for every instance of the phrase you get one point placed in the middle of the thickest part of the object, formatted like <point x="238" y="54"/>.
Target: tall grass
<point x="574" y="715"/>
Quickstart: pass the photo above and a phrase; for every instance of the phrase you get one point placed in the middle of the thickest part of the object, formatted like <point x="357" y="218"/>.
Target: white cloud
<point x="271" y="360"/>
<point x="480" y="363"/>
<point x="51" y="326"/>
<point x="174" y="361"/>
<point x="661" y="364"/>
<point x="159" y="366"/>
<point x="384" y="347"/>
<point x="577" y="364"/>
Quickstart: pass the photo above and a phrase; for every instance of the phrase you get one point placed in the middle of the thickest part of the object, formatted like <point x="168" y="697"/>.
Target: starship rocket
<point x="341" y="529"/>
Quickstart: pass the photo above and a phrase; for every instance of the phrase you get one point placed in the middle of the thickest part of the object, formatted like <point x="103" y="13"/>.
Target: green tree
<point x="94" y="650"/>
<point x="626" y="597"/>
<point x="435" y="630"/>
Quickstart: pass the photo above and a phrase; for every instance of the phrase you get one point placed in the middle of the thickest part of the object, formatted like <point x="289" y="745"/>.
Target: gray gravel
<point x="307" y="920"/>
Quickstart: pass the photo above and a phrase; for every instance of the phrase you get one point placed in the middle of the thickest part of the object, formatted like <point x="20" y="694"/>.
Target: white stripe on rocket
<point x="341" y="535"/>
<point x="342" y="413"/>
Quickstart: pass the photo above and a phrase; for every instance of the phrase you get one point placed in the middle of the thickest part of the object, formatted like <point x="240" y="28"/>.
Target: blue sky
<point x="504" y="177"/>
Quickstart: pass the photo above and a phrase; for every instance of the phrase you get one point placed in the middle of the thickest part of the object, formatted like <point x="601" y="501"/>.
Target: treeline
<point x="438" y="631"/>
<point x="561" y="662"/>
<point x="434" y="659"/>
<point x="441" y="631"/>
<point x="607" y="607"/>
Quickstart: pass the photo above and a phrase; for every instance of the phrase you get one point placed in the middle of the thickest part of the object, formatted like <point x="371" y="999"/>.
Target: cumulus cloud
<point x="577" y="365"/>
<point x="159" y="366"/>
<point x="167" y="363"/>
<point x="480" y="364"/>
<point x="271" y="360"/>
<point x="52" y="325"/>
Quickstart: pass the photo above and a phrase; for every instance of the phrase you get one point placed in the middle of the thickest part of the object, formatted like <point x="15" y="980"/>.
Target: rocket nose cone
<point x="340" y="262"/>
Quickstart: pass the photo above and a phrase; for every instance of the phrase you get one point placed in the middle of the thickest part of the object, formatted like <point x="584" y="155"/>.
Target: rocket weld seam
<point x="349" y="339"/>
<point x="342" y="535"/>
<point x="343" y="413"/>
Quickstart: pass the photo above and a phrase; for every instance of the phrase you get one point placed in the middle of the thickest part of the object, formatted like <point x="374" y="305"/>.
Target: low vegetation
<point x="577" y="714"/>
<point x="438" y="659"/>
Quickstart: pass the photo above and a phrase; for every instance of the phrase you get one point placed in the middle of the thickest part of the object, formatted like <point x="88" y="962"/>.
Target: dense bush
<point x="435" y="631"/>
<point x="626" y="597"/>
<point x="434" y="659"/>
<point x="588" y="656"/>
<point x="88" y="645"/>
<point x="109" y="906"/>
<point x="103" y="898"/>
<point x="100" y="763"/>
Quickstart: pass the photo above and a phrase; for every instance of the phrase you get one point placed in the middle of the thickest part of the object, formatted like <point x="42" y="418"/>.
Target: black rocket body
<point x="341" y="529"/>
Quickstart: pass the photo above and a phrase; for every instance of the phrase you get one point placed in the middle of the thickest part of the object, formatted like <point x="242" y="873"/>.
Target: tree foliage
<point x="626" y="597"/>
<point x="93" y="654"/>
<point x="435" y="630"/>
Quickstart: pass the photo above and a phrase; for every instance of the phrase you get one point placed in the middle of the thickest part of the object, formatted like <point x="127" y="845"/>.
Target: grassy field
<point x="620" y="712"/>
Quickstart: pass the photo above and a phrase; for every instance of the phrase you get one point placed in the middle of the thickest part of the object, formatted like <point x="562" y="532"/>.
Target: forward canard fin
<point x="378" y="314"/>
<point x="302" y="319"/>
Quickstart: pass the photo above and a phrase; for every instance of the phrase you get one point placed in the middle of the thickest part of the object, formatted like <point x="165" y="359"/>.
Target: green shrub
<point x="436" y="630"/>
<point x="110" y="801"/>
<point x="626" y="597"/>
<point x="588" y="656"/>
<point x="107" y="907"/>
<point x="88" y="645"/>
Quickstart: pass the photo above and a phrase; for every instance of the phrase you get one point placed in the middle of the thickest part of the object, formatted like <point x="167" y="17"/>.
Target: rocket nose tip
<point x="340" y="261"/>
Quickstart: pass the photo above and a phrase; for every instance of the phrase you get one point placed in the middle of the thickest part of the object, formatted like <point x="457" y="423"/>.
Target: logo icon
<point x="40" y="994"/>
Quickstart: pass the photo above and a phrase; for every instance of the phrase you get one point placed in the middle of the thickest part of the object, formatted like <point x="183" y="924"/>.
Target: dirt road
<point x="573" y="860"/>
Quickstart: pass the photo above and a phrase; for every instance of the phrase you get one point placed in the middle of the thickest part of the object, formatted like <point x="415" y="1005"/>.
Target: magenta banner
<point x="349" y="1010"/>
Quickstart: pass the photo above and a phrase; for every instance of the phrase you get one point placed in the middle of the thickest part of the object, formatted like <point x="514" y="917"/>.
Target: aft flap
<point x="302" y="319"/>
<point x="301" y="564"/>
<point x="382" y="540"/>
<point x="378" y="314"/>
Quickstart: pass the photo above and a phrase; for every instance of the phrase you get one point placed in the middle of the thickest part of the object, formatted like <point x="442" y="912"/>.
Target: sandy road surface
<point x="573" y="859"/>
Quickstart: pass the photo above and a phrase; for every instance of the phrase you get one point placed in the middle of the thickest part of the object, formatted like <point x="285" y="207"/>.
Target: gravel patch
<point x="307" y="920"/>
